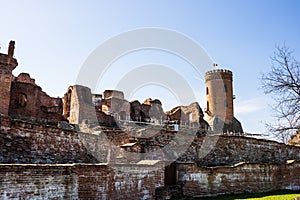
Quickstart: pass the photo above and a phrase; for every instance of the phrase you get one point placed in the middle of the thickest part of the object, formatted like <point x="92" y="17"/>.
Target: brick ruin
<point x="101" y="146"/>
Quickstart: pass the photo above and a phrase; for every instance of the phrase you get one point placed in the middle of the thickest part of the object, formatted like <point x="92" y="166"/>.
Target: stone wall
<point x="240" y="178"/>
<point x="74" y="181"/>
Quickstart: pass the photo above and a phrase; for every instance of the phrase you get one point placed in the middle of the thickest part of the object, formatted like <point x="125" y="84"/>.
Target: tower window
<point x="22" y="99"/>
<point x="207" y="106"/>
<point x="206" y="90"/>
<point x="225" y="103"/>
<point x="225" y="88"/>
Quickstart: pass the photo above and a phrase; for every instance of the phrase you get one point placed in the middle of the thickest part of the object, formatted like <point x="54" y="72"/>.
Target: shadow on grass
<point x="244" y="196"/>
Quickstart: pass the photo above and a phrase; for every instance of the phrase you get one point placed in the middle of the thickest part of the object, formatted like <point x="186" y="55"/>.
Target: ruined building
<point x="141" y="159"/>
<point x="191" y="115"/>
<point x="80" y="104"/>
<point x="21" y="97"/>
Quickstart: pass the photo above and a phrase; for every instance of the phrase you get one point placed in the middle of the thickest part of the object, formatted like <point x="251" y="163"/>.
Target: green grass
<point x="276" y="195"/>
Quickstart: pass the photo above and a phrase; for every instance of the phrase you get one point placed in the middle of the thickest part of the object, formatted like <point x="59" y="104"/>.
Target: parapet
<point x="218" y="74"/>
<point x="25" y="78"/>
<point x="218" y="71"/>
<point x="113" y="94"/>
<point x="7" y="59"/>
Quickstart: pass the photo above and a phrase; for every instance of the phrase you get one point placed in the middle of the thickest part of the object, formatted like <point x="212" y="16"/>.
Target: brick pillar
<point x="7" y="65"/>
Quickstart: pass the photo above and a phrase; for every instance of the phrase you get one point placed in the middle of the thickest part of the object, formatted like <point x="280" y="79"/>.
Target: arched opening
<point x="22" y="99"/>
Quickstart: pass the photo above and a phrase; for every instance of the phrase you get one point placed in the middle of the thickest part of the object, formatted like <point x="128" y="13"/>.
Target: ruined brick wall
<point x="37" y="182"/>
<point x="113" y="93"/>
<point x="7" y="65"/>
<point x="149" y="111"/>
<point x="78" y="105"/>
<point x="105" y="120"/>
<point x="79" y="181"/>
<point x="188" y="115"/>
<point x="117" y="106"/>
<point x="241" y="178"/>
<point x="28" y="101"/>
<point x="155" y="111"/>
<point x="24" y="142"/>
<point x="229" y="150"/>
<point x="27" y="142"/>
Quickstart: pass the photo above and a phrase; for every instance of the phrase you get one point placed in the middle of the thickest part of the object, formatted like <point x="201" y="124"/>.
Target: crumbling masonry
<point x="94" y="146"/>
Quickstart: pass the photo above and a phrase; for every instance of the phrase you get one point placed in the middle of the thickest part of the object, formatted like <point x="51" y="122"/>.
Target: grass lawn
<point x="276" y="195"/>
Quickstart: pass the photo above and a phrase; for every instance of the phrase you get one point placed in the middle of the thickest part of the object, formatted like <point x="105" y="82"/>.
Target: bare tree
<point x="283" y="83"/>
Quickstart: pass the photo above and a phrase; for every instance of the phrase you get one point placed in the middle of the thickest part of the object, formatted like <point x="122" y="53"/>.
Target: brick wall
<point x="27" y="142"/>
<point x="7" y="64"/>
<point x="73" y="181"/>
<point x="240" y="178"/>
<point x="24" y="142"/>
<point x="229" y="150"/>
<point x="29" y="102"/>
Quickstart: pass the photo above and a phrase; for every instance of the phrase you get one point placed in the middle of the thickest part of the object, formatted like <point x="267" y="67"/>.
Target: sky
<point x="54" y="39"/>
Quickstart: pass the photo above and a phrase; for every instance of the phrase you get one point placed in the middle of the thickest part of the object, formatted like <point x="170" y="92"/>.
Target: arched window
<point x="206" y="90"/>
<point x="22" y="99"/>
<point x="225" y="88"/>
<point x="207" y="106"/>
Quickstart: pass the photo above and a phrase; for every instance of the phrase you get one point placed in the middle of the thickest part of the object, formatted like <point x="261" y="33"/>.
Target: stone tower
<point x="7" y="65"/>
<point x="219" y="101"/>
<point x="219" y="95"/>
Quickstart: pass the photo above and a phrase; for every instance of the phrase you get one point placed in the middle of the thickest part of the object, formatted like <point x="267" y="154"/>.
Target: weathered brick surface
<point x="79" y="181"/>
<point x="241" y="178"/>
<point x="101" y="181"/>
<point x="38" y="106"/>
<point x="229" y="150"/>
<point x="37" y="182"/>
<point x="24" y="142"/>
<point x="7" y="65"/>
<point x="27" y="142"/>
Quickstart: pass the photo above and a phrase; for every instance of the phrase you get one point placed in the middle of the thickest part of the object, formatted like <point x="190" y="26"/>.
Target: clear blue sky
<point x="53" y="39"/>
